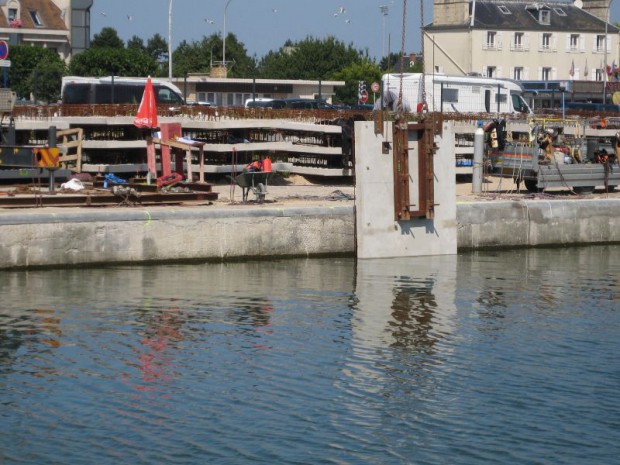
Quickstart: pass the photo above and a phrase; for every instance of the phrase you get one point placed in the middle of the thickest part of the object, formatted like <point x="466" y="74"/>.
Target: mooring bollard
<point x="476" y="182"/>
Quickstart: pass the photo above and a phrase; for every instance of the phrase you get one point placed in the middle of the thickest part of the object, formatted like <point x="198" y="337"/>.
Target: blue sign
<point x="4" y="50"/>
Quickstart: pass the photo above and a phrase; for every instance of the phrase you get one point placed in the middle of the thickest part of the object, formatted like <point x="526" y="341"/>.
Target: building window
<point x="491" y="71"/>
<point x="545" y="43"/>
<point x="504" y="9"/>
<point x="12" y="14"/>
<point x="35" y="18"/>
<point x="517" y="74"/>
<point x="544" y="17"/>
<point x="560" y="11"/>
<point x="600" y="76"/>
<point x="546" y="74"/>
<point x="519" y="41"/>
<point x="491" y="39"/>
<point x="449" y="95"/>
<point x="600" y="43"/>
<point x="574" y="42"/>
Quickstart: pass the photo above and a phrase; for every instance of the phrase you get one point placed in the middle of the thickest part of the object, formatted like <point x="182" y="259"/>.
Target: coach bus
<point x="111" y="89"/>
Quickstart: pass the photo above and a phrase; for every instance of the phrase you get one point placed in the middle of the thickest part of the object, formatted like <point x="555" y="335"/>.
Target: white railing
<point x="492" y="45"/>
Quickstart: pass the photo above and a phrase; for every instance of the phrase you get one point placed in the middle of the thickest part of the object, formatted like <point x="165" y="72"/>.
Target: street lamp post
<point x="224" y="46"/>
<point x="605" y="80"/>
<point x="170" y="40"/>
<point x="384" y="13"/>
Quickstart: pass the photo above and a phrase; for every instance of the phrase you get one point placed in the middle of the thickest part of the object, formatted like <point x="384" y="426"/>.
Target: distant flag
<point x="610" y="69"/>
<point x="572" y="69"/>
<point x="585" y="70"/>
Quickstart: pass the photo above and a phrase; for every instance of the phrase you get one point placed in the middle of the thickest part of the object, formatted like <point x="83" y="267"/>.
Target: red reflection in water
<point x="154" y="363"/>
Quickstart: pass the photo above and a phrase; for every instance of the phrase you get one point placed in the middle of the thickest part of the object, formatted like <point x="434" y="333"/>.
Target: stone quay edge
<point x="61" y="237"/>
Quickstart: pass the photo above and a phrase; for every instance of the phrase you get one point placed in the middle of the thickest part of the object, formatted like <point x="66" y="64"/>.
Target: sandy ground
<point x="296" y="189"/>
<point x="292" y="189"/>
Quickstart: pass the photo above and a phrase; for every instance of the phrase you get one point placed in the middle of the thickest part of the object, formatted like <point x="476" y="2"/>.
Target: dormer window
<point x="544" y="17"/>
<point x="36" y="19"/>
<point x="12" y="14"/>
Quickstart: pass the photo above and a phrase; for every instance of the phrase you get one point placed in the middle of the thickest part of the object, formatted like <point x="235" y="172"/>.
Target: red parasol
<point x="147" y="112"/>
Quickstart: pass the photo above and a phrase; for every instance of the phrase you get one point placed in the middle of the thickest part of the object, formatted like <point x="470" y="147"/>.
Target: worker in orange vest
<point x="256" y="165"/>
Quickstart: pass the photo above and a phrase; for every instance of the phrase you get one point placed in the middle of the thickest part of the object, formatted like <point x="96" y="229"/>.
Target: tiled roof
<point x="523" y="16"/>
<point x="47" y="11"/>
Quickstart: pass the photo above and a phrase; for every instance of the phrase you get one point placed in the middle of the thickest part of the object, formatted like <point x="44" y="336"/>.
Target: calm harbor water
<point x="490" y="357"/>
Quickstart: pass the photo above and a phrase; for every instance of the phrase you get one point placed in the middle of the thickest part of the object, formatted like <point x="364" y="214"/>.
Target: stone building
<point x="60" y="25"/>
<point x="522" y="40"/>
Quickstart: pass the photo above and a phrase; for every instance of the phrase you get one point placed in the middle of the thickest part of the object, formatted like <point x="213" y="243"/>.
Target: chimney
<point x="598" y="8"/>
<point x="450" y="12"/>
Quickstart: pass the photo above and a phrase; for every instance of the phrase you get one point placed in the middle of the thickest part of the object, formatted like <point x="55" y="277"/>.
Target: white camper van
<point x="454" y="94"/>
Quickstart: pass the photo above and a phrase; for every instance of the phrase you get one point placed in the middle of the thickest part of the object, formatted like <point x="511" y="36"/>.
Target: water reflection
<point x="30" y="330"/>
<point x="491" y="357"/>
<point x="159" y="341"/>
<point x="405" y="303"/>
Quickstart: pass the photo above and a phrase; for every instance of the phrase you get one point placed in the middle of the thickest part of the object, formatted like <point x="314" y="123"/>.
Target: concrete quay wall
<point x="61" y="237"/>
<point x="43" y="238"/>
<point x="533" y="223"/>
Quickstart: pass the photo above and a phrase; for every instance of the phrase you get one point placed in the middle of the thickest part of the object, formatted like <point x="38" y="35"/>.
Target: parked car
<point x="200" y="104"/>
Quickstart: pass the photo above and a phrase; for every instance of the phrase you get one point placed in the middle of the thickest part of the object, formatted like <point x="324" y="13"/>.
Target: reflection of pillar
<point x="408" y="306"/>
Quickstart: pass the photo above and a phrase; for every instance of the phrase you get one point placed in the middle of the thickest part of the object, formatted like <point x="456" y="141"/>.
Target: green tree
<point x="112" y="61"/>
<point x="198" y="57"/>
<point x="309" y="59"/>
<point x="136" y="43"/>
<point x="157" y="50"/>
<point x="36" y="72"/>
<point x="107" y="38"/>
<point x="240" y="65"/>
<point x="366" y="71"/>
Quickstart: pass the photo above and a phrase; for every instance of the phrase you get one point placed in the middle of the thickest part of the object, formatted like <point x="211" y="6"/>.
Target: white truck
<point x="452" y="94"/>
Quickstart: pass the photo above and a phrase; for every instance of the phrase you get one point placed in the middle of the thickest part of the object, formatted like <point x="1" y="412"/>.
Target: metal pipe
<point x="170" y="40"/>
<point x="476" y="180"/>
<point x="224" y="45"/>
<point x="52" y="141"/>
<point x="605" y="52"/>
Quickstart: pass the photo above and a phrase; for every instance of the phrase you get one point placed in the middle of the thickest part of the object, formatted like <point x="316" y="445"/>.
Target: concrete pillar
<point x="378" y="234"/>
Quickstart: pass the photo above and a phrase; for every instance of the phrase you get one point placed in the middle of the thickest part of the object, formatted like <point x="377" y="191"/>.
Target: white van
<point x="453" y="94"/>
<point x="264" y="102"/>
<point x="108" y="89"/>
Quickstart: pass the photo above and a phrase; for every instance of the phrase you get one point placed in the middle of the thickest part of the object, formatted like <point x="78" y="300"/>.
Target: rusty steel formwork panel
<point x="101" y="200"/>
<point x="403" y="207"/>
<point x="17" y="157"/>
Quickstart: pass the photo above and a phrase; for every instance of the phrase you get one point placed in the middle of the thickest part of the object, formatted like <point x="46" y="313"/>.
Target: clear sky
<point x="264" y="25"/>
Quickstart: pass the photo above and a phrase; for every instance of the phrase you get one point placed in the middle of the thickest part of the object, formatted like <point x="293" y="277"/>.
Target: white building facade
<point x="520" y="40"/>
